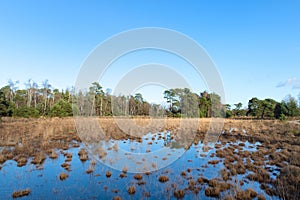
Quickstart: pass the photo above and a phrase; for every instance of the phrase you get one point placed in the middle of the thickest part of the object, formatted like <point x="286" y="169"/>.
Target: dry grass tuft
<point x="131" y="189"/>
<point x="117" y="198"/>
<point x="179" y="194"/>
<point x="225" y="174"/>
<point x="89" y="170"/>
<point x="39" y="159"/>
<point x="247" y="194"/>
<point x="83" y="155"/>
<point x="202" y="180"/>
<point x="212" y="192"/>
<point x="20" y="193"/>
<point x="213" y="182"/>
<point x="2" y="159"/>
<point x="108" y="174"/>
<point x="125" y="169"/>
<point x="21" y="161"/>
<point x="66" y="166"/>
<point x="138" y="177"/>
<point x="53" y="154"/>
<point x="115" y="147"/>
<point x="183" y="173"/>
<point x="287" y="183"/>
<point x="213" y="162"/>
<point x="63" y="176"/>
<point x="122" y="175"/>
<point x="163" y="179"/>
<point x="261" y="197"/>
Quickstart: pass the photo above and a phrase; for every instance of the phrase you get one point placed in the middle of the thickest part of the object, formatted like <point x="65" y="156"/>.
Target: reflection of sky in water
<point x="151" y="153"/>
<point x="45" y="183"/>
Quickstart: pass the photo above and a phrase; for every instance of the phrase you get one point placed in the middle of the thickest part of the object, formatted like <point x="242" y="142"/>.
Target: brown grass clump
<point x="2" y="159"/>
<point x="183" y="173"/>
<point x="242" y="144"/>
<point x="117" y="198"/>
<point x="53" y="155"/>
<point x="83" y="155"/>
<point x="147" y="194"/>
<point x="295" y="159"/>
<point x="138" y="177"/>
<point x="240" y="195"/>
<point x="213" y="162"/>
<point x="131" y="189"/>
<point x="240" y="167"/>
<point x="163" y="179"/>
<point x="63" y="176"/>
<point x="115" y="147"/>
<point x="179" y="194"/>
<point x="108" y="174"/>
<point x="141" y="182"/>
<point x="225" y="174"/>
<point x="101" y="152"/>
<point x="66" y="166"/>
<point x="125" y="169"/>
<point x="220" y="153"/>
<point x="224" y="186"/>
<point x="89" y="170"/>
<point x="39" y="159"/>
<point x="21" y="161"/>
<point x="261" y="197"/>
<point x="153" y="165"/>
<point x="244" y="195"/>
<point x="192" y="186"/>
<point x="213" y="182"/>
<point x="270" y="191"/>
<point x="69" y="157"/>
<point x="122" y="175"/>
<point x="20" y="193"/>
<point x="251" y="193"/>
<point x="212" y="192"/>
<point x="202" y="180"/>
<point x="287" y="184"/>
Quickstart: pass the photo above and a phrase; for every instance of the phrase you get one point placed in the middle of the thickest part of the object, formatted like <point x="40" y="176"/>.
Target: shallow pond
<point x="88" y="180"/>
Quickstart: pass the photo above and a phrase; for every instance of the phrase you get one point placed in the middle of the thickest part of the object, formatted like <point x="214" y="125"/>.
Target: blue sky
<point x="254" y="44"/>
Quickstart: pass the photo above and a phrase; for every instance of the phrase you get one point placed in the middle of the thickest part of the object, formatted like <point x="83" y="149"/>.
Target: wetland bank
<point x="252" y="159"/>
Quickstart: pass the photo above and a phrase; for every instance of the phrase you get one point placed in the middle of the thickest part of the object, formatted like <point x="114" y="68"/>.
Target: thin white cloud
<point x="294" y="82"/>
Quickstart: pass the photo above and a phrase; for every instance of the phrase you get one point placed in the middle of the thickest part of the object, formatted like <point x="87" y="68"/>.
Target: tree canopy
<point x="44" y="100"/>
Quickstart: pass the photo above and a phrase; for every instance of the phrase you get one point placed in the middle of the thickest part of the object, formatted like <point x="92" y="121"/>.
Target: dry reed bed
<point x="280" y="147"/>
<point x="35" y="138"/>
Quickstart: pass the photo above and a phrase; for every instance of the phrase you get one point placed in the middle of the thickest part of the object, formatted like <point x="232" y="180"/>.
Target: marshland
<point x="95" y="145"/>
<point x="150" y="100"/>
<point x="251" y="159"/>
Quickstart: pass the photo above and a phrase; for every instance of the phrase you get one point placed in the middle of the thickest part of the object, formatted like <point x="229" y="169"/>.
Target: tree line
<point x="267" y="108"/>
<point x="44" y="100"/>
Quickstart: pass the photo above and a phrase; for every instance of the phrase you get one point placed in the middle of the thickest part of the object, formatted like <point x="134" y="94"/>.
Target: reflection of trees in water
<point x="178" y="144"/>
